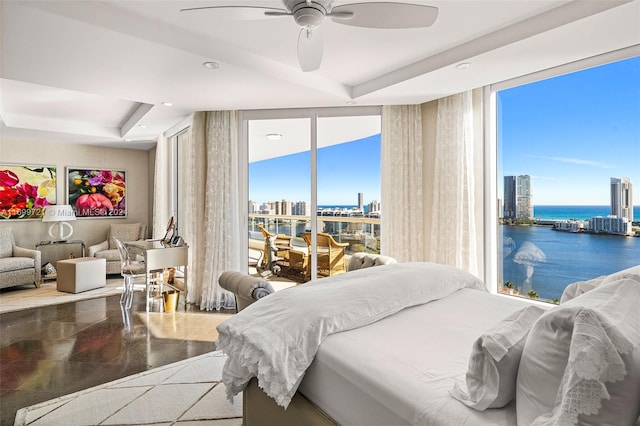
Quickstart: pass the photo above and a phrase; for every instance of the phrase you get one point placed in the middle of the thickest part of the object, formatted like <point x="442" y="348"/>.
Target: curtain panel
<point x="432" y="181"/>
<point x="162" y="185"/>
<point x="401" y="183"/>
<point x="212" y="206"/>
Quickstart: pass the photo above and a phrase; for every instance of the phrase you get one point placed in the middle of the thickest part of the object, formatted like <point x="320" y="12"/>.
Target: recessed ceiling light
<point x="351" y="102"/>
<point x="463" y="66"/>
<point x="210" y="65"/>
<point x="127" y="140"/>
<point x="144" y="126"/>
<point x="274" y="136"/>
<point x="167" y="104"/>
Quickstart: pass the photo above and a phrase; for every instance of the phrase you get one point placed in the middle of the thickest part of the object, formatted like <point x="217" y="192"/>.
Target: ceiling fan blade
<point x="240" y="13"/>
<point x="386" y="15"/>
<point x="310" y="49"/>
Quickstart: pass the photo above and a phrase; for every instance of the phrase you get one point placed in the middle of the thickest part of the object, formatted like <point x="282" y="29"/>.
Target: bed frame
<point x="258" y="409"/>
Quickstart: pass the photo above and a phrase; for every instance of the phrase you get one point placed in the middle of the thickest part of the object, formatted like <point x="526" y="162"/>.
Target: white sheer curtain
<point x="401" y="175"/>
<point x="431" y="160"/>
<point x="453" y="240"/>
<point x="212" y="226"/>
<point x="161" y="204"/>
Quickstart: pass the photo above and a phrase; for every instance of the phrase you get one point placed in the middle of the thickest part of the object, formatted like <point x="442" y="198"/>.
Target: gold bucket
<point x="170" y="300"/>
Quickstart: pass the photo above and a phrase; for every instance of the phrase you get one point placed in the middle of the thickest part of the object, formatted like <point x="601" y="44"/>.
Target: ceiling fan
<point x="309" y="14"/>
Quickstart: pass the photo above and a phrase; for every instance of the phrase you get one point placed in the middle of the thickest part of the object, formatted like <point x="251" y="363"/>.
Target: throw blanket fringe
<point x="277" y="338"/>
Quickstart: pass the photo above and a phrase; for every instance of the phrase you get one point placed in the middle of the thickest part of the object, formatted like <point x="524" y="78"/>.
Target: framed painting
<point x="25" y="190"/>
<point x="97" y="193"/>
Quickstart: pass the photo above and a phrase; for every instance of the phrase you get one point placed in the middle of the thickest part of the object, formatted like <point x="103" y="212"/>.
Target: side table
<point x="52" y="251"/>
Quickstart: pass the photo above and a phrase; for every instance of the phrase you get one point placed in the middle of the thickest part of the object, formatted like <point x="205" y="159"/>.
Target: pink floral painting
<point x="26" y="190"/>
<point x="97" y="193"/>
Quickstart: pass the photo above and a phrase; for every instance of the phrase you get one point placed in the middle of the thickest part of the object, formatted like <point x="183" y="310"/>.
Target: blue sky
<point x="573" y="133"/>
<point x="343" y="171"/>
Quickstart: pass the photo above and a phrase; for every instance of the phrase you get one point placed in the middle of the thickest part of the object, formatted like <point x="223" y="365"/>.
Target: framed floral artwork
<point x="25" y="190"/>
<point x="97" y="193"/>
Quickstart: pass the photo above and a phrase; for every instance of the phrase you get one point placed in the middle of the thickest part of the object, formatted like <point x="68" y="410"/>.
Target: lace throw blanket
<point x="596" y="357"/>
<point x="277" y="338"/>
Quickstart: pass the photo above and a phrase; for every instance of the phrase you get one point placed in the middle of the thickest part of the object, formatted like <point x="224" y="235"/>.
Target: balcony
<point x="362" y="234"/>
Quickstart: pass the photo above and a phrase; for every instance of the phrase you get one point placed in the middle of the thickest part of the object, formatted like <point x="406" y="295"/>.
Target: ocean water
<point x="539" y="258"/>
<point x="576" y="212"/>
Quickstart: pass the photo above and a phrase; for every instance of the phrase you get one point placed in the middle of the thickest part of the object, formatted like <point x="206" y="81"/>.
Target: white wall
<point x="136" y="163"/>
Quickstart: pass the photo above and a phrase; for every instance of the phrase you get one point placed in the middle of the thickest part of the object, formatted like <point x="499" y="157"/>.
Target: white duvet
<point x="276" y="338"/>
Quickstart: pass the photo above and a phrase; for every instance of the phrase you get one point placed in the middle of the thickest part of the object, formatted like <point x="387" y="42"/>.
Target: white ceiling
<point x="94" y="71"/>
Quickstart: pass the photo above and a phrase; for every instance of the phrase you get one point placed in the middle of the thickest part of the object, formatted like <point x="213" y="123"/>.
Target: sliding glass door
<point x="313" y="190"/>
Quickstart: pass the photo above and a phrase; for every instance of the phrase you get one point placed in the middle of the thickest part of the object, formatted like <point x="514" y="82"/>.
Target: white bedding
<point x="276" y="338"/>
<point x="399" y="371"/>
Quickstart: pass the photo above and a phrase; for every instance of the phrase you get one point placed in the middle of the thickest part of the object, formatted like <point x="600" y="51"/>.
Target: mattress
<point x="398" y="371"/>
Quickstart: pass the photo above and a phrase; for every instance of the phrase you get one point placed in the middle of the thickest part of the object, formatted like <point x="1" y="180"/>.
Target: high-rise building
<point x="622" y="198"/>
<point x="518" y="197"/>
<point x="509" y="197"/>
<point x="360" y="201"/>
<point x="524" y="197"/>
<point x="300" y="208"/>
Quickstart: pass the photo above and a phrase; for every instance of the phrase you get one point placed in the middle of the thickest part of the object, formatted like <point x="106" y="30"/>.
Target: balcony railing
<point x="362" y="233"/>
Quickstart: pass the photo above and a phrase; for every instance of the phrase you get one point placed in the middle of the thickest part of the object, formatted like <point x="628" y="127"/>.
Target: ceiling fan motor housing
<point x="309" y="14"/>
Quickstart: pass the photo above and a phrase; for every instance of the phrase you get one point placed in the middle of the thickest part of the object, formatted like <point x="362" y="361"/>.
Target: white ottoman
<point x="81" y="274"/>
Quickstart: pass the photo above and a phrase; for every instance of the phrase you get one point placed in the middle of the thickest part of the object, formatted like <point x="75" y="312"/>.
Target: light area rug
<point x="187" y="392"/>
<point x="27" y="296"/>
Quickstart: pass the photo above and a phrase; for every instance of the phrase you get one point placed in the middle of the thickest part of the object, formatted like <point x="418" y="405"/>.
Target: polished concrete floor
<point x="51" y="351"/>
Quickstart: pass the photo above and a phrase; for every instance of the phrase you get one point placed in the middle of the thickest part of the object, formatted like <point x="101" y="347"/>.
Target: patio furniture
<point x="331" y="260"/>
<point x="276" y="247"/>
<point x="18" y="265"/>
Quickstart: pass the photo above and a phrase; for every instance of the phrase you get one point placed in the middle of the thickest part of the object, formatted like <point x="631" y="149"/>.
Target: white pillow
<point x="576" y="289"/>
<point x="493" y="365"/>
<point x="585" y="343"/>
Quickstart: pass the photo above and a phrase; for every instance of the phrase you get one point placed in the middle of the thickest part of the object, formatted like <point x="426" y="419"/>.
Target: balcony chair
<point x="276" y="247"/>
<point x="331" y="259"/>
<point x="132" y="271"/>
<point x="18" y="265"/>
<point x="108" y="250"/>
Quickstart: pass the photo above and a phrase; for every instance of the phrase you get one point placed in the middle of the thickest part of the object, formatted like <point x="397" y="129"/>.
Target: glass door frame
<point x="243" y="160"/>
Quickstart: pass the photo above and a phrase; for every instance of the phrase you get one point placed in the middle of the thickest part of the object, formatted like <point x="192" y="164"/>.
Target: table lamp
<point x="59" y="215"/>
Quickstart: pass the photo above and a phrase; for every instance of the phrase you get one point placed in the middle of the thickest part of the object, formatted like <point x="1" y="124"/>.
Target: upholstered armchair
<point x="18" y="265"/>
<point x="108" y="249"/>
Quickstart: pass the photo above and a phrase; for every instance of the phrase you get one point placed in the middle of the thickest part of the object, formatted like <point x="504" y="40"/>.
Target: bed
<point x="408" y="361"/>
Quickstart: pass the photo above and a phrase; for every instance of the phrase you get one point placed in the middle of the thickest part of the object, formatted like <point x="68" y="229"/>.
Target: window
<point x="568" y="159"/>
<point x="312" y="171"/>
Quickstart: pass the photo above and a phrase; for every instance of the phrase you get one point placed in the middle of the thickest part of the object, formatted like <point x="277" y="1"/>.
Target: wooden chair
<point x="331" y="259"/>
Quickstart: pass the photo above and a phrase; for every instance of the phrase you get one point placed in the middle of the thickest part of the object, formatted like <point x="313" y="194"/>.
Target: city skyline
<point x="572" y="133"/>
